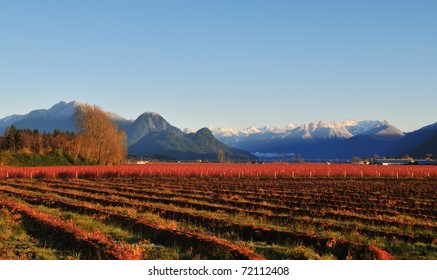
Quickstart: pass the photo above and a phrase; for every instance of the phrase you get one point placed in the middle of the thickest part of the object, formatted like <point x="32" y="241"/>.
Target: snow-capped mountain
<point x="278" y="129"/>
<point x="224" y="132"/>
<point x="311" y="132"/>
<point x="317" y="139"/>
<point x="59" y="116"/>
<point x="363" y="127"/>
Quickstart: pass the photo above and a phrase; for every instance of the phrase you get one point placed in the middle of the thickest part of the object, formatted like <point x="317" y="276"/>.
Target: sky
<point x="228" y="63"/>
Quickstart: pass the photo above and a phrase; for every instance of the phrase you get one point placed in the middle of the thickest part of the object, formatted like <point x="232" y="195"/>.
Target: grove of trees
<point x="97" y="142"/>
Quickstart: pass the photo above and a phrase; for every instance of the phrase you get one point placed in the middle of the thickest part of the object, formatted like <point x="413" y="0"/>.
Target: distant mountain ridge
<point x="327" y="140"/>
<point x="418" y="143"/>
<point x="151" y="135"/>
<point x="59" y="116"/>
<point x="314" y="131"/>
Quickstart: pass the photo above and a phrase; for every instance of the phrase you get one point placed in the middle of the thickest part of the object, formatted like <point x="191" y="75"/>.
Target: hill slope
<point x="418" y="143"/>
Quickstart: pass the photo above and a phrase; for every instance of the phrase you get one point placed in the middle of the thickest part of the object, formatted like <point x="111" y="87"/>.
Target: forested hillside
<point x="98" y="142"/>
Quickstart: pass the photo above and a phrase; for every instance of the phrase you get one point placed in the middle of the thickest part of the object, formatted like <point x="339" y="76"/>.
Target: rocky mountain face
<point x="151" y="135"/>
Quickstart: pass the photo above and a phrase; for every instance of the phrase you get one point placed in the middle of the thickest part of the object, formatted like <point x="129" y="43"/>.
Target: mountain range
<point x="312" y="132"/>
<point x="320" y="140"/>
<point x="151" y="135"/>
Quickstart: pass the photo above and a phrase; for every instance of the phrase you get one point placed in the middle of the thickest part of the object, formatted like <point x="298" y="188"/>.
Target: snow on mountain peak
<point x="314" y="130"/>
<point x="224" y="132"/>
<point x="363" y="127"/>
<point x="350" y="122"/>
<point x="273" y="129"/>
<point x="250" y="130"/>
<point x="59" y="116"/>
<point x="290" y="126"/>
<point x="61" y="109"/>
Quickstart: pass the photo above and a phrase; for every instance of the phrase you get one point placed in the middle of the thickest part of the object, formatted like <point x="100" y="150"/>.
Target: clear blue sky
<point x="224" y="63"/>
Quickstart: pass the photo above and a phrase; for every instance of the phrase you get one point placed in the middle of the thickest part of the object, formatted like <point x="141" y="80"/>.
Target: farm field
<point x="219" y="211"/>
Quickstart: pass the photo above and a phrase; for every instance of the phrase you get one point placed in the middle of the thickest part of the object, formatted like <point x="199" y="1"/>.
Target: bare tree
<point x="100" y="141"/>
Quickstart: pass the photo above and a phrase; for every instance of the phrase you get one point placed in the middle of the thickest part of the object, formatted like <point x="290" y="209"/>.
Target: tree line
<point x="97" y="142"/>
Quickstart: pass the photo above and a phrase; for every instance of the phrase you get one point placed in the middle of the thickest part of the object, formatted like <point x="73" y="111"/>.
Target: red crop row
<point x="273" y="170"/>
<point x="254" y="210"/>
<point x="98" y="244"/>
<point x="338" y="247"/>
